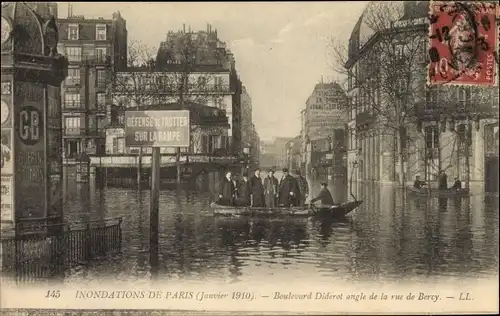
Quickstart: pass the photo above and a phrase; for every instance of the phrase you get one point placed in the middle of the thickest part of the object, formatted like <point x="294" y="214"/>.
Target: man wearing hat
<point x="288" y="190"/>
<point x="257" y="189"/>
<point x="303" y="188"/>
<point x="270" y="189"/>
<point x="324" y="195"/>
<point x="244" y="191"/>
<point x="227" y="190"/>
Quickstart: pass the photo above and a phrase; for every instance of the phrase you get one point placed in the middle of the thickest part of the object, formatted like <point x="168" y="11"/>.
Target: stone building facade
<point x="446" y="128"/>
<point x="324" y="115"/>
<point x="95" y="48"/>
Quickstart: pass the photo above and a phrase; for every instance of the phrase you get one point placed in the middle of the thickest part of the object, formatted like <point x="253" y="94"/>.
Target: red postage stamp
<point x="462" y="42"/>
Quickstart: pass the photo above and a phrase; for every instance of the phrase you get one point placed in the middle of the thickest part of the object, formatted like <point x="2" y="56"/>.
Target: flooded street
<point x="389" y="238"/>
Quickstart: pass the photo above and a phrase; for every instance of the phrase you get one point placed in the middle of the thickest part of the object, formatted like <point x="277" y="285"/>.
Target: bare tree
<point x="462" y="108"/>
<point x="173" y="74"/>
<point x="390" y="75"/>
<point x="191" y="78"/>
<point x="135" y="87"/>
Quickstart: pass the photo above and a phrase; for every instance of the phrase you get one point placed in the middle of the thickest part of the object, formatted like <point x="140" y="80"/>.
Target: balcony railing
<point x="99" y="107"/>
<point x="174" y="88"/>
<point x="213" y="120"/>
<point x="89" y="132"/>
<point x="73" y="106"/>
<point x="97" y="59"/>
<point x="71" y="81"/>
<point x="364" y="117"/>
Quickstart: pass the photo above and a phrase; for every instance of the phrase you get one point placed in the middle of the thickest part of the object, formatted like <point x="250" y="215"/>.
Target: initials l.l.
<point x="465" y="297"/>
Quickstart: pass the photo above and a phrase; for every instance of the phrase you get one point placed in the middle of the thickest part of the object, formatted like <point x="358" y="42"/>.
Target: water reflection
<point x="390" y="237"/>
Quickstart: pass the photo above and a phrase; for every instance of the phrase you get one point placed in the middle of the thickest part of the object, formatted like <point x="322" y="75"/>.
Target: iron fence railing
<point x="53" y="248"/>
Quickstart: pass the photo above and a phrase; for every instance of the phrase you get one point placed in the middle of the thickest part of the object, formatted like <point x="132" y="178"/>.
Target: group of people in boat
<point x="442" y="180"/>
<point x="267" y="192"/>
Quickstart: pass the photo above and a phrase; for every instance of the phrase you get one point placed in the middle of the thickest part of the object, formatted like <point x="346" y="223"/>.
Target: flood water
<point x="390" y="237"/>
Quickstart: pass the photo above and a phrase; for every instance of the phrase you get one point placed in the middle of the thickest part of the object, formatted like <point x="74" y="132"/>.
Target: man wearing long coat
<point x="288" y="190"/>
<point x="244" y="191"/>
<point x="227" y="191"/>
<point x="257" y="190"/>
<point x="303" y="188"/>
<point x="270" y="189"/>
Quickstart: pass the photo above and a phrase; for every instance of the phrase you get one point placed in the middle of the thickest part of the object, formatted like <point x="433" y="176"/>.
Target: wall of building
<point x="89" y="45"/>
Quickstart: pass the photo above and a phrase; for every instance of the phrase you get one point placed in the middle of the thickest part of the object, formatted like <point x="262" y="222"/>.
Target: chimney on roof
<point x="184" y="28"/>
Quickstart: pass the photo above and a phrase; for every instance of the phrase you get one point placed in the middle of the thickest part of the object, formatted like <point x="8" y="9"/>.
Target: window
<point x="202" y="81"/>
<point x="101" y="100"/>
<point x="101" y="78"/>
<point x="72" y="123"/>
<point x="100" y="32"/>
<point x="431" y="137"/>
<point x="101" y="53"/>
<point x="422" y="55"/>
<point x="72" y="100"/>
<point x="73" y="77"/>
<point x="432" y="98"/>
<point x="399" y="52"/>
<point x="400" y="86"/>
<point x="462" y="97"/>
<point x="218" y="82"/>
<point x="74" y="53"/>
<point x="73" y="32"/>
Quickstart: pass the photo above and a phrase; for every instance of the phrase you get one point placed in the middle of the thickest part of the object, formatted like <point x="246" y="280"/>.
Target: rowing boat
<point x="331" y="211"/>
<point x="439" y="192"/>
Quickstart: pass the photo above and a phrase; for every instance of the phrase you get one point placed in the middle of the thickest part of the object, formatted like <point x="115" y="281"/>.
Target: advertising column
<point x="29" y="141"/>
<point x="7" y="156"/>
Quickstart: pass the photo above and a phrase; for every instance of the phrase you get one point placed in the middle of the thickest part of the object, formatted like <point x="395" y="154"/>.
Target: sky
<point x="281" y="48"/>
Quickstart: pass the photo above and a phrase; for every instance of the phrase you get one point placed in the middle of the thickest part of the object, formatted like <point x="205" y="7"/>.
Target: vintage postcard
<point x="249" y="158"/>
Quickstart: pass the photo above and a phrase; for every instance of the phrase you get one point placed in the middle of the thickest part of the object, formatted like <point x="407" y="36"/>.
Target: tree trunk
<point x="401" y="156"/>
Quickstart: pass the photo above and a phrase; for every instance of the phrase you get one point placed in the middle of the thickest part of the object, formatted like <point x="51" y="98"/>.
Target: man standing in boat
<point x="244" y="191"/>
<point x="303" y="188"/>
<point x="457" y="185"/>
<point x="288" y="190"/>
<point x="257" y="190"/>
<point x="236" y="185"/>
<point x="227" y="190"/>
<point x="270" y="189"/>
<point x="324" y="195"/>
<point x="442" y="180"/>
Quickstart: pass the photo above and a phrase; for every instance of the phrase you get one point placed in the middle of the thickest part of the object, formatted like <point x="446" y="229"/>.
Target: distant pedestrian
<point x="257" y="190"/>
<point x="303" y="188"/>
<point x="271" y="189"/>
<point x="418" y="184"/>
<point x="457" y="185"/>
<point x="226" y="194"/>
<point x="442" y="180"/>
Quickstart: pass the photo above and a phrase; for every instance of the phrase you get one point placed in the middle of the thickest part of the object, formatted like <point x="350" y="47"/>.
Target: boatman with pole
<point x="324" y="195"/>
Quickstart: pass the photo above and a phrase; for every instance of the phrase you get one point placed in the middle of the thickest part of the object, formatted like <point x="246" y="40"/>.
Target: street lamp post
<point x="246" y="153"/>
